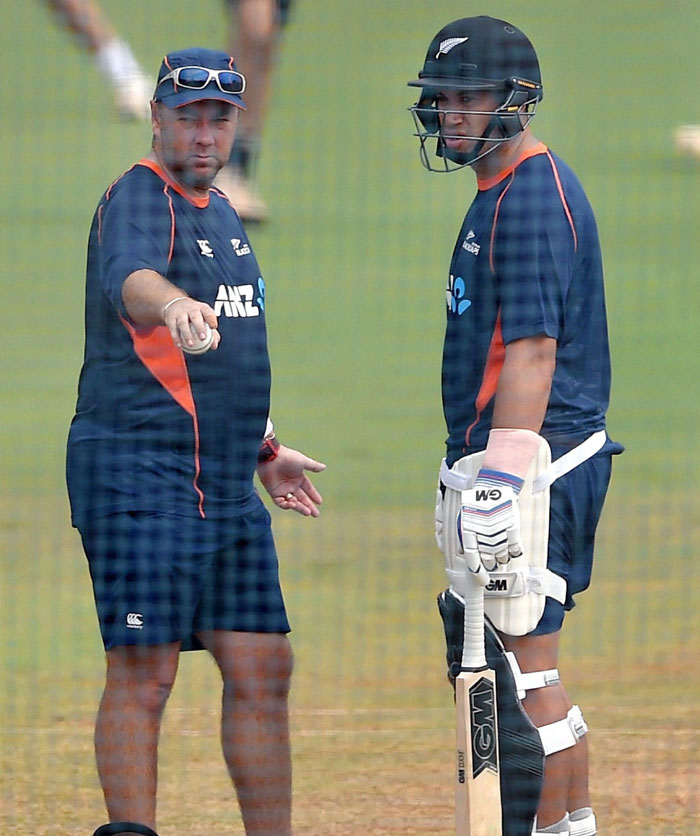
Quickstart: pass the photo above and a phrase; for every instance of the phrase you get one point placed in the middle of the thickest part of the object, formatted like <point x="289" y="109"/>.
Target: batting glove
<point x="490" y="520"/>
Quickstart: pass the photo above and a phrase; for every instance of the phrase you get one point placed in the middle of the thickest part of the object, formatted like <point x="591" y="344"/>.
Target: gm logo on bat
<point x="483" y="725"/>
<point x="461" y="766"/>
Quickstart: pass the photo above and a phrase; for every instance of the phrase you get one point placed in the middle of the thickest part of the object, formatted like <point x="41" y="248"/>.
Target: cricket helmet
<point x="483" y="54"/>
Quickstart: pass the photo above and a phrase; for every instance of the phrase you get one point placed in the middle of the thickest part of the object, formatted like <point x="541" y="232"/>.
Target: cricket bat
<point x="477" y="780"/>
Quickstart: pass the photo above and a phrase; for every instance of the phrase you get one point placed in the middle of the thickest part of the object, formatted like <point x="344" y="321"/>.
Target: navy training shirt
<point x="156" y="429"/>
<point x="527" y="262"/>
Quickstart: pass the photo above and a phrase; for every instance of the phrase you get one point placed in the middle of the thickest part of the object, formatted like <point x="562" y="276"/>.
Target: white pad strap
<point x="569" y="460"/>
<point x="453" y="479"/>
<point x="563" y="734"/>
<point x="511" y="584"/>
<point x="505" y="584"/>
<point x="538" y="679"/>
<point x="579" y="454"/>
<point x="532" y="680"/>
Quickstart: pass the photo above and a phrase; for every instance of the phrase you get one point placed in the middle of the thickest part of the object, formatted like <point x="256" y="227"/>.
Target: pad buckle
<point x="576" y="722"/>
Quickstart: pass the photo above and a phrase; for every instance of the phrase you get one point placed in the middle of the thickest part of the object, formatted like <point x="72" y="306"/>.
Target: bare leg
<point x="256" y="670"/>
<point x="139" y="681"/>
<point x="87" y="20"/>
<point x="565" y="784"/>
<point x="253" y="40"/>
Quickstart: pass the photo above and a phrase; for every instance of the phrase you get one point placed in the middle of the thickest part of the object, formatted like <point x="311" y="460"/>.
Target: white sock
<point x="117" y="61"/>
<point x="582" y="822"/>
<point x="560" y="828"/>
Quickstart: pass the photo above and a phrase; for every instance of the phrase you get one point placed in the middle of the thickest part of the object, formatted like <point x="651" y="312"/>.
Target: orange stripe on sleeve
<point x="495" y="221"/>
<point x="172" y="222"/>
<point x="563" y="199"/>
<point x="108" y="194"/>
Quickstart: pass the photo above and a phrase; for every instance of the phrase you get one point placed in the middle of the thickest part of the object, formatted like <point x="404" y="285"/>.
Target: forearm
<point x="489" y="516"/>
<point x="522" y="395"/>
<point x="525" y="384"/>
<point x="145" y="294"/>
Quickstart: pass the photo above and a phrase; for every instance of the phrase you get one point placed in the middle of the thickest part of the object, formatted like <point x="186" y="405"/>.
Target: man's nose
<point x="205" y="133"/>
<point x="453" y="117"/>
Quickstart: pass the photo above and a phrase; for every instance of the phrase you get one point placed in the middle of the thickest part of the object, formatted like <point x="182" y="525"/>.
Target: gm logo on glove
<point x="490" y="526"/>
<point x="482" y="495"/>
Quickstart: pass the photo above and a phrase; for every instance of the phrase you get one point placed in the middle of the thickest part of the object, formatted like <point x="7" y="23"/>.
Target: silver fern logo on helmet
<point x="447" y="45"/>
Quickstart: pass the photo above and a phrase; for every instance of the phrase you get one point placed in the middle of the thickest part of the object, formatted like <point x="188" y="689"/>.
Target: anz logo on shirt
<point x="240" y="300"/>
<point x="456" y="295"/>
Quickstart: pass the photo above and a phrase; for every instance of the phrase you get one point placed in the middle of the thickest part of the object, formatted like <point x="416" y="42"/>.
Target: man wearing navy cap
<point x="172" y="422"/>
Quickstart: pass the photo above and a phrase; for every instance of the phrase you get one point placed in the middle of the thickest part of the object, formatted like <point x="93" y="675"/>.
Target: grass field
<point x="355" y="259"/>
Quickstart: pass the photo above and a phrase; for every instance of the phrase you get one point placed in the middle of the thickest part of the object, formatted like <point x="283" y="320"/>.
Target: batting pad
<point x="515" y="596"/>
<point x="520" y="749"/>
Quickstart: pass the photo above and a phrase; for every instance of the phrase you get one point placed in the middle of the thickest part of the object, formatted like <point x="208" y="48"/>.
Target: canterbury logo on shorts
<point x="134" y="620"/>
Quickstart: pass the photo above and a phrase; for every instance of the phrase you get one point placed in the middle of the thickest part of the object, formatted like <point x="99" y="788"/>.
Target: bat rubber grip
<point x="473" y="649"/>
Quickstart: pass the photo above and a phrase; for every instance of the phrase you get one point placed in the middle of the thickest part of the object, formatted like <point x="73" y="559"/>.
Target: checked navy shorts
<point x="160" y="578"/>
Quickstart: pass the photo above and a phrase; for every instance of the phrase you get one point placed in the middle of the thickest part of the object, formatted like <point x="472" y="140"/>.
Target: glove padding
<point x="489" y="528"/>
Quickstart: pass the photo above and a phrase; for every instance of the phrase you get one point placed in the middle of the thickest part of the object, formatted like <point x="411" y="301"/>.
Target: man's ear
<point x="155" y="118"/>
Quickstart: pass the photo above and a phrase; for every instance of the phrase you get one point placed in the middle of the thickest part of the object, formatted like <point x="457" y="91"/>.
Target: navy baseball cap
<point x="194" y="74"/>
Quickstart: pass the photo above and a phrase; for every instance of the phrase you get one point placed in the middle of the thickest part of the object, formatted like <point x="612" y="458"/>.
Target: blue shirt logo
<point x="456" y="296"/>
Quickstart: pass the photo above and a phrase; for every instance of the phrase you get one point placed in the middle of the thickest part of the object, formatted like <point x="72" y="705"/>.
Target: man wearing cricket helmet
<point x="525" y="381"/>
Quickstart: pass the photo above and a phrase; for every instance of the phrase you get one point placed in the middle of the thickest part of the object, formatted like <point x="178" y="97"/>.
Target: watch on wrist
<point x="269" y="450"/>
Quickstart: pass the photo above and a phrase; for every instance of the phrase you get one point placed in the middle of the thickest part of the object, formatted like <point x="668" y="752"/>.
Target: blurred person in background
<point x="254" y="37"/>
<point x="687" y="140"/>
<point x="132" y="88"/>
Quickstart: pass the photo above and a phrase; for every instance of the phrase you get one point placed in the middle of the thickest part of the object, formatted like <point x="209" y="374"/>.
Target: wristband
<point x="498" y="478"/>
<point x="269" y="450"/>
<point x="172" y="302"/>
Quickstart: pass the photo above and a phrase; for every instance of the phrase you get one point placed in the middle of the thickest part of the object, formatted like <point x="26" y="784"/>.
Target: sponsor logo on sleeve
<point x="205" y="248"/>
<point x="240" y="247"/>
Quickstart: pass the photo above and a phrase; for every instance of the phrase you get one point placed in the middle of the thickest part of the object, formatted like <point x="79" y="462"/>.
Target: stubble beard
<point x="194" y="179"/>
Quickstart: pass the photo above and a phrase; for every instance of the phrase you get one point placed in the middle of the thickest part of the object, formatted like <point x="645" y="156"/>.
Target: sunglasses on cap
<point x="197" y="78"/>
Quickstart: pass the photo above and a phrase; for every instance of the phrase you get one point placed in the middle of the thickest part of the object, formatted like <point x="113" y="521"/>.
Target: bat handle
<point x="473" y="648"/>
